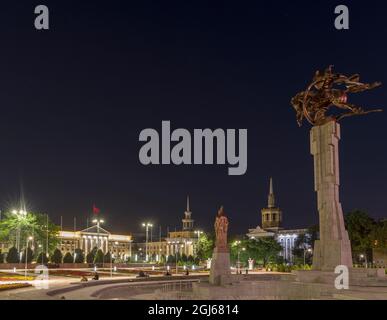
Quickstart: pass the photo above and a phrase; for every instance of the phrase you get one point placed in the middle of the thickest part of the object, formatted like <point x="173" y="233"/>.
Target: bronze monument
<point x="220" y="264"/>
<point x="316" y="104"/>
<point x="329" y="90"/>
<point x="221" y="227"/>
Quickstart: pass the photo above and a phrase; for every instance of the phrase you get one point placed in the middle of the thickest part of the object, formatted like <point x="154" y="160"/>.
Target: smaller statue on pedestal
<point x="221" y="227"/>
<point x="220" y="262"/>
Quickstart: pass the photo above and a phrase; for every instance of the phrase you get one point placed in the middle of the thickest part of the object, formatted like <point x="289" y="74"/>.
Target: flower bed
<point x="11" y="286"/>
<point x="14" y="277"/>
<point x="70" y="273"/>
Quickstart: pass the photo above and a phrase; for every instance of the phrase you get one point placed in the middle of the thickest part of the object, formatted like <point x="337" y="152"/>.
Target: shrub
<point x="57" y="256"/>
<point x="30" y="255"/>
<point x="13" y="255"/>
<point x="99" y="257"/>
<point x="108" y="257"/>
<point x="79" y="257"/>
<point x="68" y="258"/>
<point x="42" y="258"/>
<point x="91" y="255"/>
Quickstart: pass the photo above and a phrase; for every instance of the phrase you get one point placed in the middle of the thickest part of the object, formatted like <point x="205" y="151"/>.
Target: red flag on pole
<point x="95" y="209"/>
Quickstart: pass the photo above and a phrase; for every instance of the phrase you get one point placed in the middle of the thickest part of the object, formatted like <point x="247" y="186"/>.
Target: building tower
<point x="272" y="215"/>
<point x="187" y="221"/>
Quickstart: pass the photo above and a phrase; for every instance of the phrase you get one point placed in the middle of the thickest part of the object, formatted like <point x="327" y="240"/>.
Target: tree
<point x="30" y="255"/>
<point x="56" y="257"/>
<point x="13" y="256"/>
<point x="262" y="250"/>
<point x="42" y="258"/>
<point x="379" y="234"/>
<point x="205" y="246"/>
<point x="91" y="255"/>
<point x="68" y="258"/>
<point x="360" y="227"/>
<point x="79" y="256"/>
<point x="1" y="257"/>
<point x="108" y="257"/>
<point x="99" y="257"/>
<point x="171" y="259"/>
<point x="18" y="227"/>
<point x="301" y="245"/>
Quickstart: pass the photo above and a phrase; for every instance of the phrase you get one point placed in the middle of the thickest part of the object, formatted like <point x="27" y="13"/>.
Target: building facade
<point x="120" y="246"/>
<point x="271" y="220"/>
<point x="176" y="243"/>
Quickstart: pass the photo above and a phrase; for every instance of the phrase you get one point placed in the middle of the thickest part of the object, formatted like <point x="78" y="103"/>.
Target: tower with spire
<point x="188" y="221"/>
<point x="271" y="215"/>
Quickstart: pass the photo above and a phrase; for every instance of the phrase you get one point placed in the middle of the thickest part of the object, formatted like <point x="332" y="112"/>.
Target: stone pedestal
<point x="334" y="247"/>
<point x="220" y="273"/>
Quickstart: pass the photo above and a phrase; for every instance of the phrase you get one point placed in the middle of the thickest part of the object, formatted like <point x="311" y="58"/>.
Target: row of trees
<point x="365" y="234"/>
<point x="94" y="256"/>
<point x="181" y="259"/>
<point x="263" y="250"/>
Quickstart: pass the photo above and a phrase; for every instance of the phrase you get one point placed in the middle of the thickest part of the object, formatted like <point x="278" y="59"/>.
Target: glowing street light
<point x="147" y="225"/>
<point x="305" y="251"/>
<point x="25" y="269"/>
<point x="98" y="222"/>
<point x="237" y="244"/>
<point x="19" y="214"/>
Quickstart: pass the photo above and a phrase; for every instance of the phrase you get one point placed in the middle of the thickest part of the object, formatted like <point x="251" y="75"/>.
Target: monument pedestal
<point x="220" y="273"/>
<point x="333" y="248"/>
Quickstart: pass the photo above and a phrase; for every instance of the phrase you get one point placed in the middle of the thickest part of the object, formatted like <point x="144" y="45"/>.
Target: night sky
<point x="74" y="99"/>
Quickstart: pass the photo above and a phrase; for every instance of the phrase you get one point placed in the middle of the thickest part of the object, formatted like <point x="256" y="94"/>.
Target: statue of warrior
<point x="221" y="227"/>
<point x="330" y="90"/>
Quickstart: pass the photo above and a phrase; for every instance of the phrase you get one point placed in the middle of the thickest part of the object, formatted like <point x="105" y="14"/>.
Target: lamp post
<point x="146" y="225"/>
<point x="198" y="232"/>
<point x="20" y="215"/>
<point x="98" y="222"/>
<point x="305" y="251"/>
<point x="364" y="256"/>
<point x="237" y="244"/>
<point x="26" y="260"/>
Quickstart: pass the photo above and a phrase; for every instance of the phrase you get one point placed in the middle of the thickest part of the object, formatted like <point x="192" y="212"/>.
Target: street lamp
<point x="25" y="269"/>
<point x="305" y="251"/>
<point x="198" y="232"/>
<point x="364" y="256"/>
<point x="98" y="222"/>
<point x="20" y="214"/>
<point x="147" y="225"/>
<point x="237" y="244"/>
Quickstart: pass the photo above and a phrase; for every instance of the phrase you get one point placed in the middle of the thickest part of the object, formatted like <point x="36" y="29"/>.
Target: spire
<point x="271" y="199"/>
<point x="187" y="221"/>
<point x="188" y="204"/>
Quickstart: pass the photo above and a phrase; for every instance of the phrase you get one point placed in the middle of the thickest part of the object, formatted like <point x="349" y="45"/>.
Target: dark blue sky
<point x="74" y="99"/>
